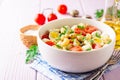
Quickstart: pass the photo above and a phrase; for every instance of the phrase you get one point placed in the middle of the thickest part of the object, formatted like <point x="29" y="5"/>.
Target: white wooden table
<point x="15" y="14"/>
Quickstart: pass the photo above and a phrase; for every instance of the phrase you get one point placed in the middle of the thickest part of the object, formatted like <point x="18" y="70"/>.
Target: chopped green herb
<point x="61" y="34"/>
<point x="88" y="49"/>
<point x="64" y="27"/>
<point x="109" y="42"/>
<point x="97" y="35"/>
<point x="65" y="31"/>
<point x="71" y="31"/>
<point x="84" y="38"/>
<point x="57" y="45"/>
<point x="58" y="38"/>
<point x="81" y="27"/>
<point x="91" y="41"/>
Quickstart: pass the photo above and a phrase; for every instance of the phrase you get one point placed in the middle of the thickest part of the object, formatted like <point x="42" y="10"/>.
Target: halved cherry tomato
<point x="40" y="19"/>
<point x="62" y="9"/>
<point x="90" y="29"/>
<point x="50" y="43"/>
<point x="96" y="46"/>
<point x="51" y="17"/>
<point x="45" y="36"/>
<point x="76" y="48"/>
<point x="79" y="31"/>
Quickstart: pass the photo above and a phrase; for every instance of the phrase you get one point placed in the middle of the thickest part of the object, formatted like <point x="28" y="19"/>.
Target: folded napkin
<point x="44" y="68"/>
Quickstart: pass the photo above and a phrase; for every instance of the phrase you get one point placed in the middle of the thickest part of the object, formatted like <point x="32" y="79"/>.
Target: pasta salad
<point x="79" y="37"/>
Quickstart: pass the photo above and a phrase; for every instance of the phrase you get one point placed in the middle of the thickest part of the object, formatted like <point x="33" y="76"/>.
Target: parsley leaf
<point x="31" y="53"/>
<point x="99" y="13"/>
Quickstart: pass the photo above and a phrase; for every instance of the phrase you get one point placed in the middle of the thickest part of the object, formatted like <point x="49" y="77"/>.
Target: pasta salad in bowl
<point x="79" y="37"/>
<point x="76" y="44"/>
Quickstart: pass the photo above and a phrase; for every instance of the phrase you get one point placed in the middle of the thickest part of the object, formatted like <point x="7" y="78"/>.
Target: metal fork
<point x="113" y="60"/>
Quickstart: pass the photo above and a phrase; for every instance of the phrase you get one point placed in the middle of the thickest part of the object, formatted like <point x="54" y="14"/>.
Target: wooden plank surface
<point x="14" y="68"/>
<point x="42" y="77"/>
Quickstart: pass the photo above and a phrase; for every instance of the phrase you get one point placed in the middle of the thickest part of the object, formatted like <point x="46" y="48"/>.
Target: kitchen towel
<point x="44" y="68"/>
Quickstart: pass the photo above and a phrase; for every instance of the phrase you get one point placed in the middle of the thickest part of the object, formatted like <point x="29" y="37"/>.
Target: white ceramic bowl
<point x="75" y="61"/>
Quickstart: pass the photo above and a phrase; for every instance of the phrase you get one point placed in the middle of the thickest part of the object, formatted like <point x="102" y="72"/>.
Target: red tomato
<point x="62" y="9"/>
<point x="96" y="46"/>
<point x="45" y="36"/>
<point x="76" y="48"/>
<point x="40" y="19"/>
<point x="51" y="17"/>
<point x="90" y="29"/>
<point x="79" y="31"/>
<point x="50" y="43"/>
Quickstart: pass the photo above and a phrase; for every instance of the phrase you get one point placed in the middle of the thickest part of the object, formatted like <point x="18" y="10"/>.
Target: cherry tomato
<point x="62" y="9"/>
<point x="76" y="48"/>
<point x="79" y="31"/>
<point x="50" y="43"/>
<point x="40" y="19"/>
<point x="96" y="46"/>
<point x="90" y="29"/>
<point x="51" y="17"/>
<point x="45" y="36"/>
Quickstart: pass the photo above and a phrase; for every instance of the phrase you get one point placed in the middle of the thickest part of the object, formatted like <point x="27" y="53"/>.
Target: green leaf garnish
<point x="88" y="49"/>
<point x="99" y="13"/>
<point x="98" y="35"/>
<point x="84" y="38"/>
<point x="71" y="31"/>
<point x="57" y="45"/>
<point x="91" y="41"/>
<point x="81" y="27"/>
<point x="58" y="38"/>
<point x="61" y="34"/>
<point x="31" y="53"/>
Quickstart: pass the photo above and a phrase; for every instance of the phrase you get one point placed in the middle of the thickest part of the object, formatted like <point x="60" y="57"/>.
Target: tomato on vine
<point x="62" y="9"/>
<point x="40" y="19"/>
<point x="52" y="16"/>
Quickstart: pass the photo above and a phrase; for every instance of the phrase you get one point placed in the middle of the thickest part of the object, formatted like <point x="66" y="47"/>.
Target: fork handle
<point x="92" y="76"/>
<point x="97" y="74"/>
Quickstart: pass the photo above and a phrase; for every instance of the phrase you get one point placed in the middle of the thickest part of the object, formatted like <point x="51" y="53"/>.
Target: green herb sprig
<point x="99" y="13"/>
<point x="31" y="53"/>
